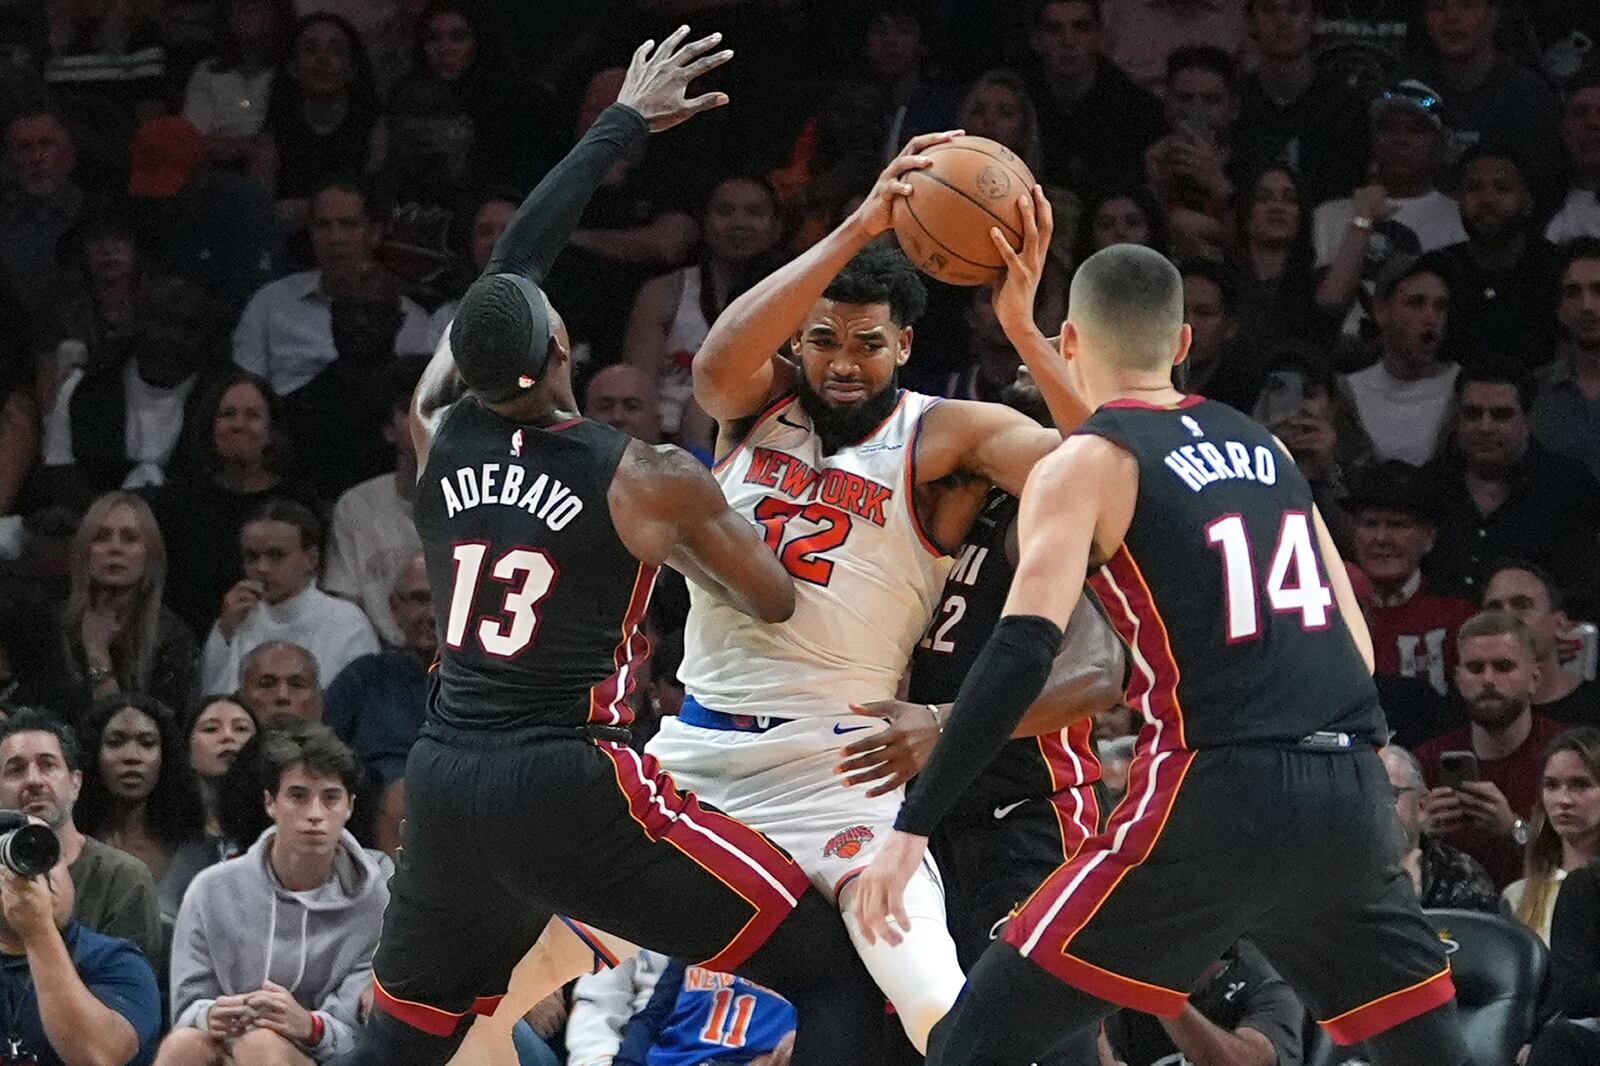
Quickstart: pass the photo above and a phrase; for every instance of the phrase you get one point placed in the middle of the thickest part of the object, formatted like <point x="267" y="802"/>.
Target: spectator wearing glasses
<point x="1442" y="875"/>
<point x="1401" y="212"/>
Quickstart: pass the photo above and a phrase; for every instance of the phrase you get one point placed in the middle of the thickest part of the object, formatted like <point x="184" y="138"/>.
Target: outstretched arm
<point x="1078" y="500"/>
<point x="669" y="509"/>
<point x="735" y="370"/>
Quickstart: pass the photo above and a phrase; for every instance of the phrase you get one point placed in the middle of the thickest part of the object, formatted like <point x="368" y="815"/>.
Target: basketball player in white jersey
<point x="861" y="488"/>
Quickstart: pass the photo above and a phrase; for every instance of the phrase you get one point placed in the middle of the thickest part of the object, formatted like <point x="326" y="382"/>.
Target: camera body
<point x="27" y="848"/>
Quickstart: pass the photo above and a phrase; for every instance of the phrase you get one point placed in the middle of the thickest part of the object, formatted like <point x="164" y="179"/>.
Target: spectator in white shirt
<point x="1404" y="400"/>
<point x="286" y="332"/>
<point x="1580" y="135"/>
<point x="227" y="94"/>
<point x="373" y="532"/>
<point x="277" y="601"/>
<point x="1402" y="212"/>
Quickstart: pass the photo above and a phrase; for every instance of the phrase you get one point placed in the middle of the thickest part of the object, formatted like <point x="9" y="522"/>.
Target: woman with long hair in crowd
<point x="237" y="460"/>
<point x="226" y="98"/>
<point x="672" y="314"/>
<point x="221" y="726"/>
<point x="322" y="115"/>
<point x="119" y="636"/>
<point x="1565" y="827"/>
<point x="1277" y="299"/>
<point x="139" y="794"/>
<point x="1130" y="215"/>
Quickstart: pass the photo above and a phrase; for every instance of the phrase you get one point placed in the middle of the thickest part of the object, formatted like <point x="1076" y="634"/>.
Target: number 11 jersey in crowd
<point x="539" y="602"/>
<point x="866" y="575"/>
<point x="1220" y="590"/>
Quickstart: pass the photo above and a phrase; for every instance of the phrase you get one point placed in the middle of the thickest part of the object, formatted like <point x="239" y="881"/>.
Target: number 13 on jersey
<point x="1294" y="581"/>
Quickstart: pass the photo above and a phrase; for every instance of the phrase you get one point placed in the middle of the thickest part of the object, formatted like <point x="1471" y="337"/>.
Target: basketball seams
<point x="1002" y="223"/>
<point x="936" y="242"/>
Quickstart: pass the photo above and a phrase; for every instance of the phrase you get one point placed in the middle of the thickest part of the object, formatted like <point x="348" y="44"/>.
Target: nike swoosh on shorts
<point x="1001" y="812"/>
<point x="842" y="729"/>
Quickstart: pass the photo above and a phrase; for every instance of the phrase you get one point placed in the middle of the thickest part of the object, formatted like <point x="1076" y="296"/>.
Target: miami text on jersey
<point x="1199" y="465"/>
<point x="546" y="498"/>
<point x="859" y="495"/>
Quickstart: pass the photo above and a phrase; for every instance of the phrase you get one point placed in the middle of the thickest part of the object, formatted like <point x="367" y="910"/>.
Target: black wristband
<point x="1008" y="676"/>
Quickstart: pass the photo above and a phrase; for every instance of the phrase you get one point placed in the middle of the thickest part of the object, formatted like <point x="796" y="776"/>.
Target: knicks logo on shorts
<point x="847" y="843"/>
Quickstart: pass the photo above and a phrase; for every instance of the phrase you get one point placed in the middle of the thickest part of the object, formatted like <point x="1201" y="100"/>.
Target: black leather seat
<point x="1500" y="969"/>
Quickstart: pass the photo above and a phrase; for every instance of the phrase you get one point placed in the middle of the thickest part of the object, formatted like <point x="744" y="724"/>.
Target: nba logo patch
<point x="516" y="444"/>
<point x="847" y="843"/>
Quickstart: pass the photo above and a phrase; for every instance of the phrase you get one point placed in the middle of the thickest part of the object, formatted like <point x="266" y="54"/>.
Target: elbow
<point x="779" y="606"/>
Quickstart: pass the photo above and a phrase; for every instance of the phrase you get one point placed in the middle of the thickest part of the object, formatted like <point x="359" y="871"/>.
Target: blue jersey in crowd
<point x="699" y="1017"/>
<point x="113" y="969"/>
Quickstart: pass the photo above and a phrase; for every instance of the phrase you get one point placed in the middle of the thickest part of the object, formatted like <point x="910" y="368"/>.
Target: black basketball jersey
<point x="539" y="602"/>
<point x="1220" y="590"/>
<point x="969" y="608"/>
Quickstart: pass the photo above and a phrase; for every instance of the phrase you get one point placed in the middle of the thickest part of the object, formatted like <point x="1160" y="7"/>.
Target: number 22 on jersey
<point x="529" y="575"/>
<point x="1294" y="581"/>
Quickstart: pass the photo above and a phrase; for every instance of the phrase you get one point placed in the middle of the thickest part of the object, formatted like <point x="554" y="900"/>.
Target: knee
<point x="263" y="1047"/>
<point x="187" y="1047"/>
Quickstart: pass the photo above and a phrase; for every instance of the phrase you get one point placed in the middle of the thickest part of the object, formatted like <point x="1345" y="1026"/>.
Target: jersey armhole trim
<point x="760" y="420"/>
<point x="911" y="482"/>
<point x="1130" y="404"/>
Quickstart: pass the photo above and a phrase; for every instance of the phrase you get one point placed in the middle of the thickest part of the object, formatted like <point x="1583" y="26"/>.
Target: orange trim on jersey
<point x="1117" y="988"/>
<point x="770" y="410"/>
<point x="1072" y="796"/>
<point x="593" y="941"/>
<point x="435" y="1021"/>
<point x="608" y="701"/>
<point x="1385" y="1012"/>
<point x="911" y="483"/>
<point x="1153" y="688"/>
<point x="751" y="866"/>
<point x="1067" y="902"/>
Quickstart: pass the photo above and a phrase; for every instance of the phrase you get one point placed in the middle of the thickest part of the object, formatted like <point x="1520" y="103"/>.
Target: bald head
<point x="1127" y="307"/>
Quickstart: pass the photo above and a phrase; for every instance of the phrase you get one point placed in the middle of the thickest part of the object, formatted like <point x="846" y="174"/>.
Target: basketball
<point x="944" y="224"/>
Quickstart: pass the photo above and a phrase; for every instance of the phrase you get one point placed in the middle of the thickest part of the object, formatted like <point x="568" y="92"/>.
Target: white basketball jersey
<point x="867" y="578"/>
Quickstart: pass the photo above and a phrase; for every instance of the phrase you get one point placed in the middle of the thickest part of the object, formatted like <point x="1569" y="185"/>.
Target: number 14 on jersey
<point x="1294" y="580"/>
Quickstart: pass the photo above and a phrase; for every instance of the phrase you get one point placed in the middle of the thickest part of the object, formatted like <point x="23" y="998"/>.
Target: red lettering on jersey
<point x="764" y="468"/>
<point x="797" y="480"/>
<point x="833" y="483"/>
<point x="700" y="979"/>
<point x="872" y="506"/>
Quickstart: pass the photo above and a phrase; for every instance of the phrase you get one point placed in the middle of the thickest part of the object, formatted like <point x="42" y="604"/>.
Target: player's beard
<point x="840" y="427"/>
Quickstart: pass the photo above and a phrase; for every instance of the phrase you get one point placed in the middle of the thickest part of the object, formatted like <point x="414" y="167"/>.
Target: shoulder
<point x="114" y="864"/>
<point x="99" y="955"/>
<point x="660" y="469"/>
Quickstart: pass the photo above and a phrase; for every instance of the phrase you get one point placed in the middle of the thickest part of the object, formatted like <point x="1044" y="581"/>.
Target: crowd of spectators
<point x="232" y="232"/>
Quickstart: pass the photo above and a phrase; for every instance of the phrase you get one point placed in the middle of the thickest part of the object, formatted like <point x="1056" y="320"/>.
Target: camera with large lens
<point x="27" y="848"/>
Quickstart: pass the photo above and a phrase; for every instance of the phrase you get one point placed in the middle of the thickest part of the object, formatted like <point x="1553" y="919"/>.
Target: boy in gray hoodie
<point x="273" y="950"/>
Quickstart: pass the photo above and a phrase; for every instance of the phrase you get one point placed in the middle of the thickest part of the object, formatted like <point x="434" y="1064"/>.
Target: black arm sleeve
<point x="1007" y="677"/>
<point x="1575" y="943"/>
<point x="545" y="221"/>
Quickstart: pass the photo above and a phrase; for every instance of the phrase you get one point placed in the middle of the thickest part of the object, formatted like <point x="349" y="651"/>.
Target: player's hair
<point x="1533" y="569"/>
<point x="1204" y="57"/>
<point x="33" y="720"/>
<point x="1492" y="371"/>
<point x="494" y="337"/>
<point x="311" y="745"/>
<point x="1497" y="624"/>
<point x="271" y="646"/>
<point x="291" y="513"/>
<point x="1578" y="248"/>
<point x="1224" y="277"/>
<point x="1543" y="857"/>
<point x="1128" y="299"/>
<point x="881" y="274"/>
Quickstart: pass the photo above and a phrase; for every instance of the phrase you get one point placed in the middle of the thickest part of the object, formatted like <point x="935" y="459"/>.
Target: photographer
<point x="68" y="996"/>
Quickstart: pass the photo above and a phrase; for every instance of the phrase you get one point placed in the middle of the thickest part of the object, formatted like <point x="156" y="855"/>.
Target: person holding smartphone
<point x="1484" y="777"/>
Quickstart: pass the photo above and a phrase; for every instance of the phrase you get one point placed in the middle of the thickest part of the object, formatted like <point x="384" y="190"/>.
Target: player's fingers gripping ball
<point x="972" y="187"/>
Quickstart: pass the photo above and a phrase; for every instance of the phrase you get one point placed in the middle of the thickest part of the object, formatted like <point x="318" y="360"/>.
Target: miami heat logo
<point x="847" y="843"/>
<point x="516" y="444"/>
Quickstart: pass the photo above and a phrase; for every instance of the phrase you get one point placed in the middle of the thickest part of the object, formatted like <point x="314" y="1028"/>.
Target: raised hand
<point x="875" y="212"/>
<point x="1014" y="296"/>
<point x="657" y="83"/>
